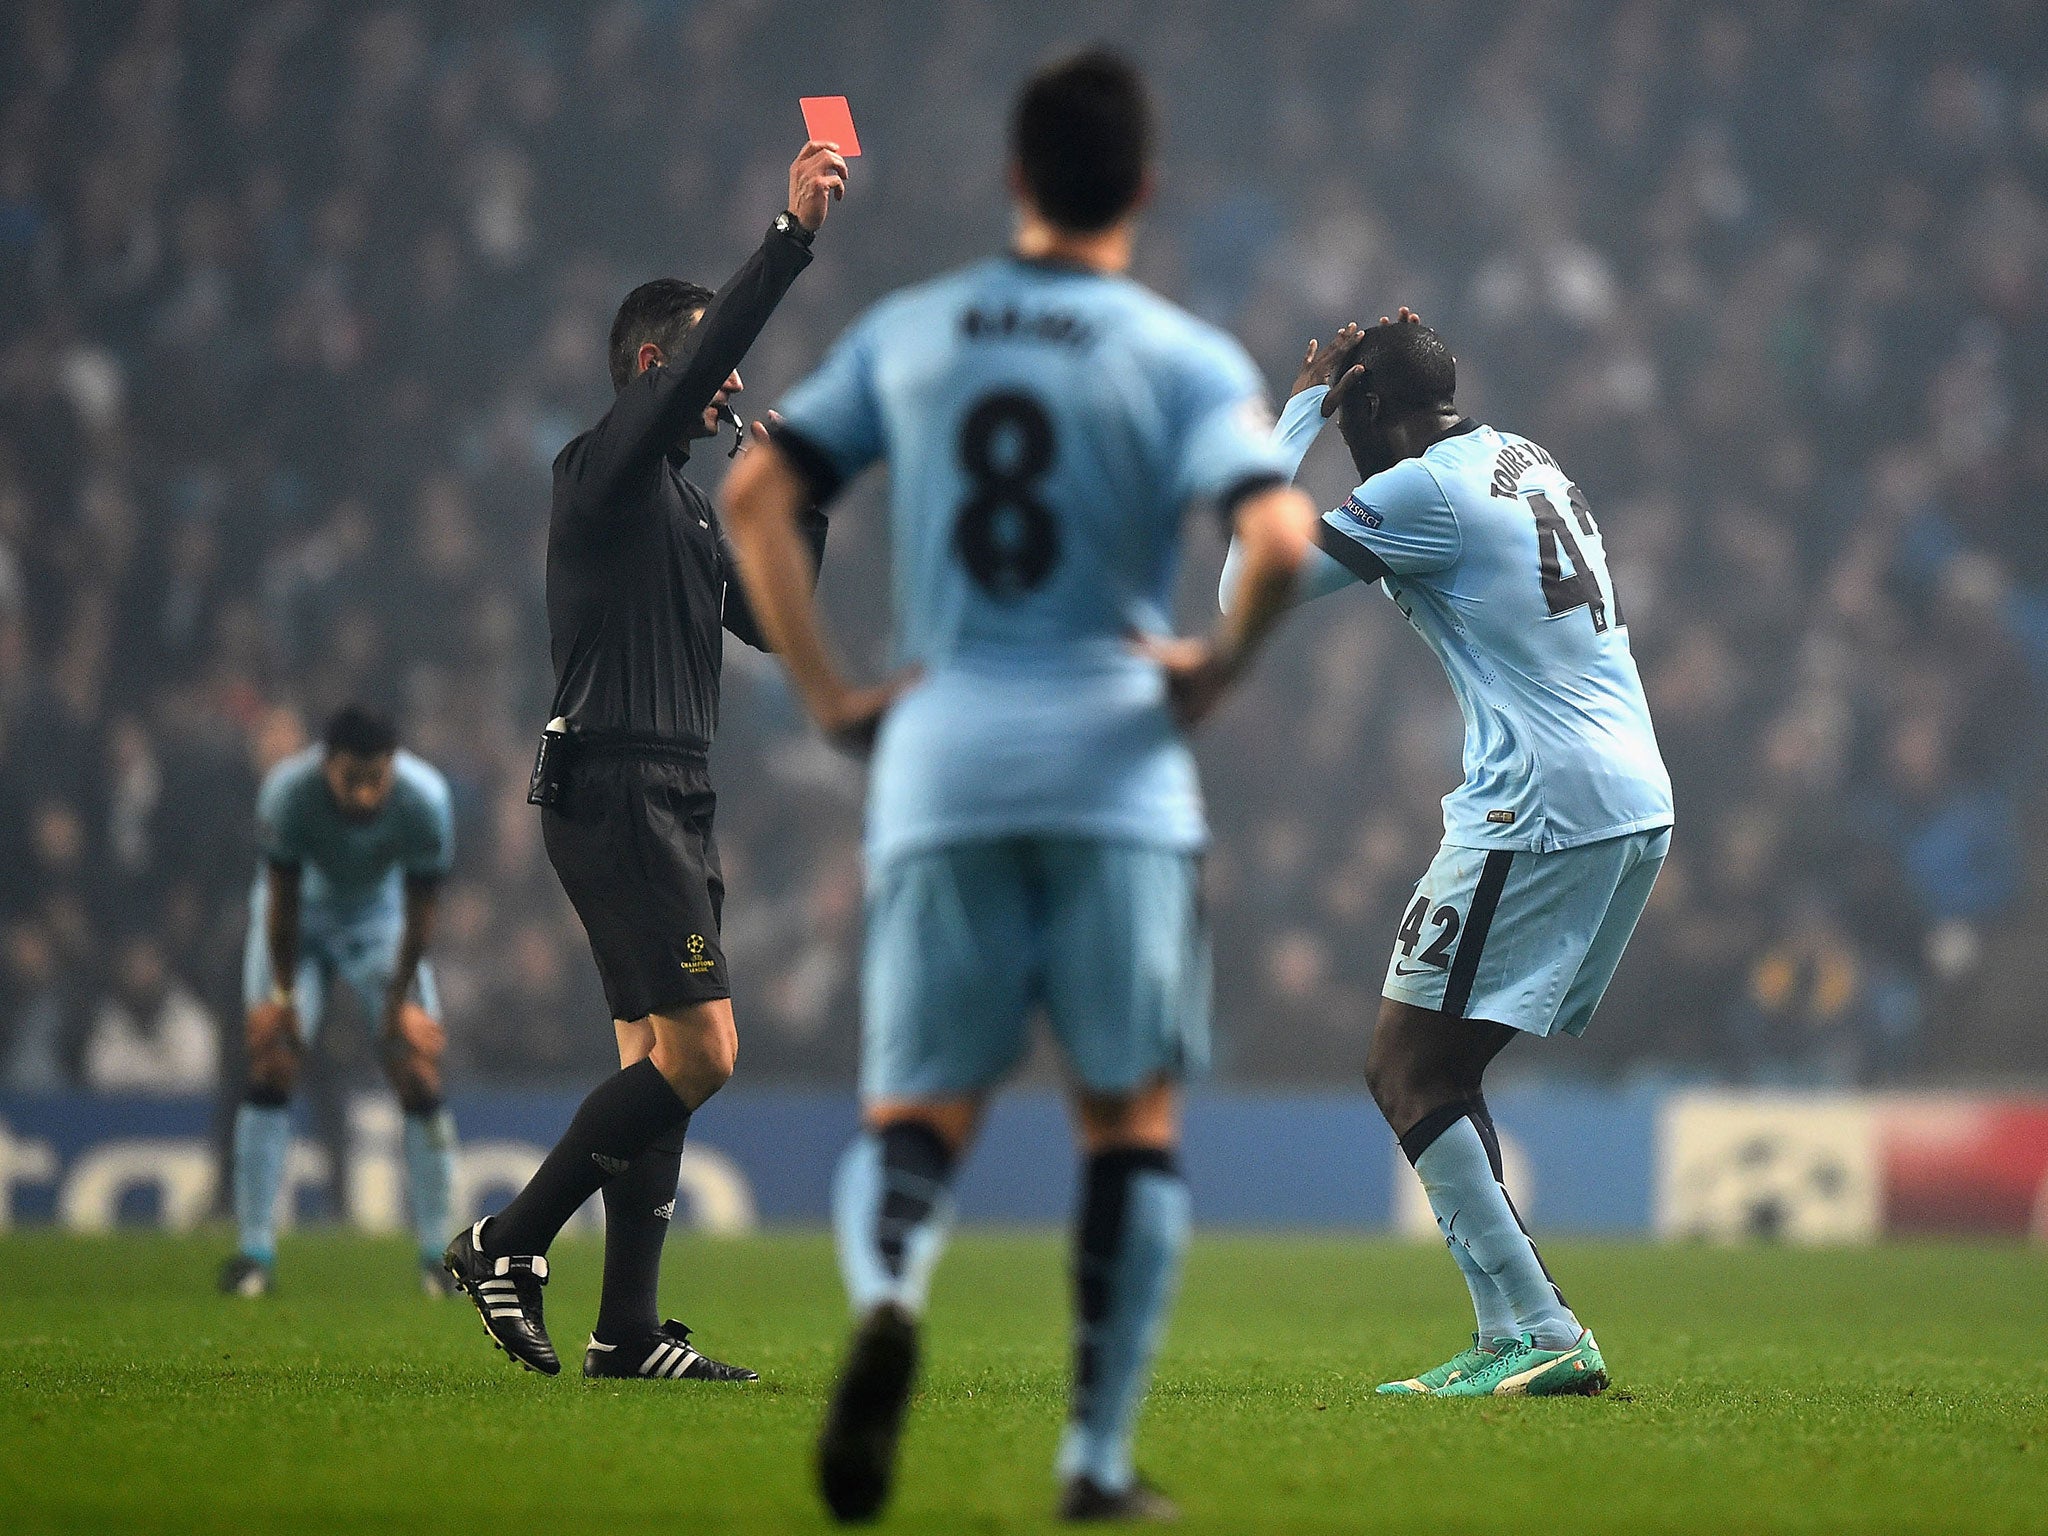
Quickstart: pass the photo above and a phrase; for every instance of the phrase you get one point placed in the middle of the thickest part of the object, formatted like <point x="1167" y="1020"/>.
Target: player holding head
<point x="355" y="836"/>
<point x="1552" y="842"/>
<point x="1034" y="819"/>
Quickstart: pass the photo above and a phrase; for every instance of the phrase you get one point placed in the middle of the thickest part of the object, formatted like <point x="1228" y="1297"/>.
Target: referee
<point x="640" y="582"/>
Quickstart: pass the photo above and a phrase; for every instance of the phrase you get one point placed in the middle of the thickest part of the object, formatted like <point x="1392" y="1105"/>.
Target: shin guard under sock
<point x="623" y="1116"/>
<point x="1482" y="1119"/>
<point x="891" y="1210"/>
<point x="638" y="1206"/>
<point x="1492" y="1317"/>
<point x="1133" y="1229"/>
<point x="1473" y="1212"/>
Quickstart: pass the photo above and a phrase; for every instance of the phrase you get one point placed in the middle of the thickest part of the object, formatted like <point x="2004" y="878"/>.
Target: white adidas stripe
<point x="668" y="1360"/>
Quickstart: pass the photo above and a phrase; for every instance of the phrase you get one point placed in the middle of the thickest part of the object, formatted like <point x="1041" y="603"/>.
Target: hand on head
<point x="1333" y="365"/>
<point x="1330" y="365"/>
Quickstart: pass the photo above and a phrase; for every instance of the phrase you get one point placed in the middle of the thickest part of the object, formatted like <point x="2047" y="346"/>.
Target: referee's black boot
<point x="663" y="1355"/>
<point x="506" y="1291"/>
<point x="857" y="1451"/>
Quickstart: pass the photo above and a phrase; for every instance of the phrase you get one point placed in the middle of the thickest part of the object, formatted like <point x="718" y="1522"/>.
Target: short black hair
<point x="661" y="312"/>
<point x="1407" y="366"/>
<point x="1082" y="135"/>
<point x="360" y="731"/>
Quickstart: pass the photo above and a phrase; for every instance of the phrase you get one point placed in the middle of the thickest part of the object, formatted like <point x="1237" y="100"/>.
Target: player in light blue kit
<point x="1034" y="819"/>
<point x="355" y="837"/>
<point x="1555" y="837"/>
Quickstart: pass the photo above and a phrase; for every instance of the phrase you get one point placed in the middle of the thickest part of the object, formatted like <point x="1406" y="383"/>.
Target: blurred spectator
<point x="150" y="1035"/>
<point x="35" y="1047"/>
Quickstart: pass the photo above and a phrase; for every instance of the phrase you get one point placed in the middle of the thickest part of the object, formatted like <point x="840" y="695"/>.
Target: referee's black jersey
<point x="640" y="576"/>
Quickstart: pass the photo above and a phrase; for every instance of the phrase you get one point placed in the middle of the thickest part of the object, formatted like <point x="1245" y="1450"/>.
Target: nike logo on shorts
<point x="1415" y="970"/>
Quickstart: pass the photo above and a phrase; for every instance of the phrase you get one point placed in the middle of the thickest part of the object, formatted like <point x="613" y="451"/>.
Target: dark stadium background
<point x="297" y="301"/>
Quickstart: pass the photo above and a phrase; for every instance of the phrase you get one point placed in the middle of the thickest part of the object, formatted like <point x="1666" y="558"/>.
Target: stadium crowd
<point x="298" y="300"/>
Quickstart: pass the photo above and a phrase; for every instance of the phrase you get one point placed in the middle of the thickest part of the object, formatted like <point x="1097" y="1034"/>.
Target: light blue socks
<point x="1133" y="1229"/>
<point x="891" y="1212"/>
<point x="1473" y="1213"/>
<point x="430" y="1178"/>
<point x="263" y="1136"/>
<point x="1493" y="1318"/>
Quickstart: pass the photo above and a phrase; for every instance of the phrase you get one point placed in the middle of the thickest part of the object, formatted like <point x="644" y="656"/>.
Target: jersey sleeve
<point x="1225" y="445"/>
<point x="1320" y="575"/>
<point x="430" y="841"/>
<point x="1400" y="519"/>
<point x="832" y="421"/>
<point x="280" y="826"/>
<point x="1300" y="423"/>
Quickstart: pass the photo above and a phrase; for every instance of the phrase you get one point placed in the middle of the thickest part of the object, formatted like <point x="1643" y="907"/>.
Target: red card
<point x="830" y="120"/>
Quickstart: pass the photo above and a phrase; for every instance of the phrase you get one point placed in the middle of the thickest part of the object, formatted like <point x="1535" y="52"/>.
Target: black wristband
<point x="787" y="223"/>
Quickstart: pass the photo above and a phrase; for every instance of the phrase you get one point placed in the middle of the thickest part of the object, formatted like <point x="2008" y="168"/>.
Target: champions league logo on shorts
<point x="697" y="963"/>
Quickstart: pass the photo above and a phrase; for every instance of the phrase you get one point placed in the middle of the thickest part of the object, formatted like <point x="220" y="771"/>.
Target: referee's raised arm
<point x="639" y="577"/>
<point x="663" y="395"/>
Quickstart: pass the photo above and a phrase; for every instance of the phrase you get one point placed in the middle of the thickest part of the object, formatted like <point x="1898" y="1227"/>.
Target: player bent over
<point x="1555" y="837"/>
<point x="1034" y="818"/>
<point x="355" y="837"/>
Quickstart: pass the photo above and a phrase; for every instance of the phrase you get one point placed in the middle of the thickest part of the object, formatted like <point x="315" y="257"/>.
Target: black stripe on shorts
<point x="1465" y="968"/>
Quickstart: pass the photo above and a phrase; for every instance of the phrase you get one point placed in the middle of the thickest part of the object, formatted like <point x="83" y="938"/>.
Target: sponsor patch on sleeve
<point x="1362" y="512"/>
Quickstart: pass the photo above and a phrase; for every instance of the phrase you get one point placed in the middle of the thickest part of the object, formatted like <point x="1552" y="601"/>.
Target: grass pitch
<point x="1893" y="1389"/>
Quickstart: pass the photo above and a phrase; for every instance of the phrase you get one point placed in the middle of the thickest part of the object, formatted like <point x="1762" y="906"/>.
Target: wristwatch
<point x="786" y="224"/>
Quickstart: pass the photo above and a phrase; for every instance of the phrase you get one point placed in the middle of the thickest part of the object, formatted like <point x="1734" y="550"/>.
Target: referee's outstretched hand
<point x="817" y="179"/>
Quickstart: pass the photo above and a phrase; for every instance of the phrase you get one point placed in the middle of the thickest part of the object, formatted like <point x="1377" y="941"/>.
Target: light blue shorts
<point x="966" y="941"/>
<point x="1525" y="939"/>
<point x="362" y="953"/>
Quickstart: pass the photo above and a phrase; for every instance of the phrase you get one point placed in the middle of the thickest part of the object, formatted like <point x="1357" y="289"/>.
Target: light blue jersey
<point x="353" y="871"/>
<point x="1492" y="554"/>
<point x="1045" y="428"/>
<point x="351" y="929"/>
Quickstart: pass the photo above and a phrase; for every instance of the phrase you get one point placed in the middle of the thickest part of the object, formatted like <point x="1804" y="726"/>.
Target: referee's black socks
<point x="638" y="1206"/>
<point x="623" y="1117"/>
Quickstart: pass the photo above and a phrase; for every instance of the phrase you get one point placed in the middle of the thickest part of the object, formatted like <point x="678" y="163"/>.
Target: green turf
<point x="1900" y="1388"/>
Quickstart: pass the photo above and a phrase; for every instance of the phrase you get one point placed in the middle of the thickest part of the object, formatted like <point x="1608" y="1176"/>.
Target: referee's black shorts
<point x="631" y="842"/>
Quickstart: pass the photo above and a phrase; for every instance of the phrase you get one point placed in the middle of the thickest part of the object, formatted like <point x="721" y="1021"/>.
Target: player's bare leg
<point x="891" y="1209"/>
<point x="1131" y="1231"/>
<point x="1424" y="1070"/>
